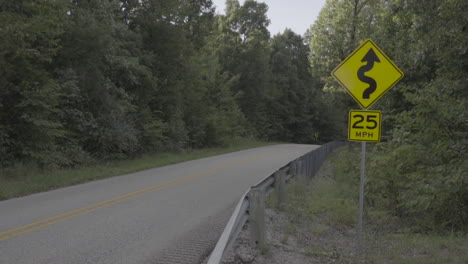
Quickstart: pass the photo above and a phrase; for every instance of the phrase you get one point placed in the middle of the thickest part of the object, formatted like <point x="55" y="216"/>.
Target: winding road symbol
<point x="370" y="58"/>
<point x="367" y="74"/>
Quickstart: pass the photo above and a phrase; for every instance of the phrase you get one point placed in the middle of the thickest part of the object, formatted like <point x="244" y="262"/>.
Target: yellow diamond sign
<point x="367" y="74"/>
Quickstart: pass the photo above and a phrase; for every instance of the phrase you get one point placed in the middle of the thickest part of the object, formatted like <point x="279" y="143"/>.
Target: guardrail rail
<point x="251" y="206"/>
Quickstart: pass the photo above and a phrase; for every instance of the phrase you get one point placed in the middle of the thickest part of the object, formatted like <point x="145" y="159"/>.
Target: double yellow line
<point x="14" y="232"/>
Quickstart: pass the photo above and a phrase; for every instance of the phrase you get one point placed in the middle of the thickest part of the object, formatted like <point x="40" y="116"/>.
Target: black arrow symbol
<point x="370" y="58"/>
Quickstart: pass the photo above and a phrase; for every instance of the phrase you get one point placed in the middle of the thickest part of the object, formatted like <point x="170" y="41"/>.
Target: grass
<point x="321" y="197"/>
<point x="324" y="213"/>
<point x="25" y="179"/>
<point x="409" y="248"/>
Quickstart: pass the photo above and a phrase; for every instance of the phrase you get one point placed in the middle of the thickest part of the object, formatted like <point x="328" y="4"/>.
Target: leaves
<point x="417" y="172"/>
<point x="97" y="80"/>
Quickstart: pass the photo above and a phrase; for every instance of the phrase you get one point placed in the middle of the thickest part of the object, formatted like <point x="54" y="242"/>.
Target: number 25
<point x="369" y="119"/>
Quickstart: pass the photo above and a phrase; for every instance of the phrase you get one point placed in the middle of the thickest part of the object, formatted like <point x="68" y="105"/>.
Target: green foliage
<point x="87" y="81"/>
<point x="292" y="102"/>
<point x="274" y="88"/>
<point x="324" y="198"/>
<point x="409" y="249"/>
<point x="29" y="95"/>
<point x="27" y="178"/>
<point x="323" y="212"/>
<point x="430" y="136"/>
<point x="419" y="173"/>
<point x="411" y="183"/>
<point x="341" y="26"/>
<point x="243" y="52"/>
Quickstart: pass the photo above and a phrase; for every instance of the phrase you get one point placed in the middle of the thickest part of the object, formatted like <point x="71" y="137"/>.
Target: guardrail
<point x="251" y="206"/>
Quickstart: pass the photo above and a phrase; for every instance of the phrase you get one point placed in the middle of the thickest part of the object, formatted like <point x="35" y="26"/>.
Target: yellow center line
<point x="7" y="234"/>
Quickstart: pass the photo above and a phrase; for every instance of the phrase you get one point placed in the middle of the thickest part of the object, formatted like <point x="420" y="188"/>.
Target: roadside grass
<point x="323" y="211"/>
<point x="421" y="249"/>
<point x="321" y="197"/>
<point x="24" y="179"/>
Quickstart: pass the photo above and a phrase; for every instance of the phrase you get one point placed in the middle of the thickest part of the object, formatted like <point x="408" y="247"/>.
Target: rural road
<point x="171" y="214"/>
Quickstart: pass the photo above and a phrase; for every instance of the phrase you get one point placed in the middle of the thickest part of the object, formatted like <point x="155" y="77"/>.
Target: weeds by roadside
<point x="324" y="212"/>
<point x="25" y="179"/>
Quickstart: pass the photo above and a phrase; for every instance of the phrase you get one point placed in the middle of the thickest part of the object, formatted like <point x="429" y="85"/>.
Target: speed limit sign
<point x="364" y="125"/>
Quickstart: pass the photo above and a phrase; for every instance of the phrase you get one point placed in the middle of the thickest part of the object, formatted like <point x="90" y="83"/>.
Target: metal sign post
<point x="361" y="194"/>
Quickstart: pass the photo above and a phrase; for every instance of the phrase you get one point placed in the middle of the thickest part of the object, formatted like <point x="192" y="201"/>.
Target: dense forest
<point x="86" y="80"/>
<point x="106" y="79"/>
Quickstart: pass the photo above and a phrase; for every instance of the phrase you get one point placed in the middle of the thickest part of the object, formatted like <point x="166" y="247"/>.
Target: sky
<point x="297" y="15"/>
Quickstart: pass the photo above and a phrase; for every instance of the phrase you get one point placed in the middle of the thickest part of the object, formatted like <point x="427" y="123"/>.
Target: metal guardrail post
<point x="310" y="159"/>
<point x="299" y="168"/>
<point x="280" y="190"/>
<point x="293" y="168"/>
<point x="312" y="165"/>
<point x="305" y="166"/>
<point x="317" y="162"/>
<point x="257" y="217"/>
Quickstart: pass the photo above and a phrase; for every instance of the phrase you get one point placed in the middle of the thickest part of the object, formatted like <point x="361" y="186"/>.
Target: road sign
<point x="364" y="125"/>
<point x="367" y="74"/>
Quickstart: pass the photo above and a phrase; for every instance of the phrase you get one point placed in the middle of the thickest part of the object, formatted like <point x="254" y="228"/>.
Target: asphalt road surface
<point x="172" y="214"/>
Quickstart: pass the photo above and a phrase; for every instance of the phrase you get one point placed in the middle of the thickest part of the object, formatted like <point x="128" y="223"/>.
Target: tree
<point x="294" y="98"/>
<point x="244" y="52"/>
<point x="429" y="127"/>
<point x="29" y="95"/>
<point x="341" y="26"/>
<point x="97" y="58"/>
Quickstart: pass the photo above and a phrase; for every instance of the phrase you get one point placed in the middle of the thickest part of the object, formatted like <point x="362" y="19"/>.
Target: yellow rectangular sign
<point x="364" y="125"/>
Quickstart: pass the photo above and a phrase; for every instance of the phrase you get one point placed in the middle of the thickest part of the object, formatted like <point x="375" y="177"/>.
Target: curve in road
<point x="143" y="217"/>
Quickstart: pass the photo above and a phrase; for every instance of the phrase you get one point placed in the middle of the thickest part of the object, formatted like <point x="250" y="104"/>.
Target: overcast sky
<point x="297" y="15"/>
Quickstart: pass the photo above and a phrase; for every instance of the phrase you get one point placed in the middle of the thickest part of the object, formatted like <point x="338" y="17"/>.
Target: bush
<point x="413" y="183"/>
